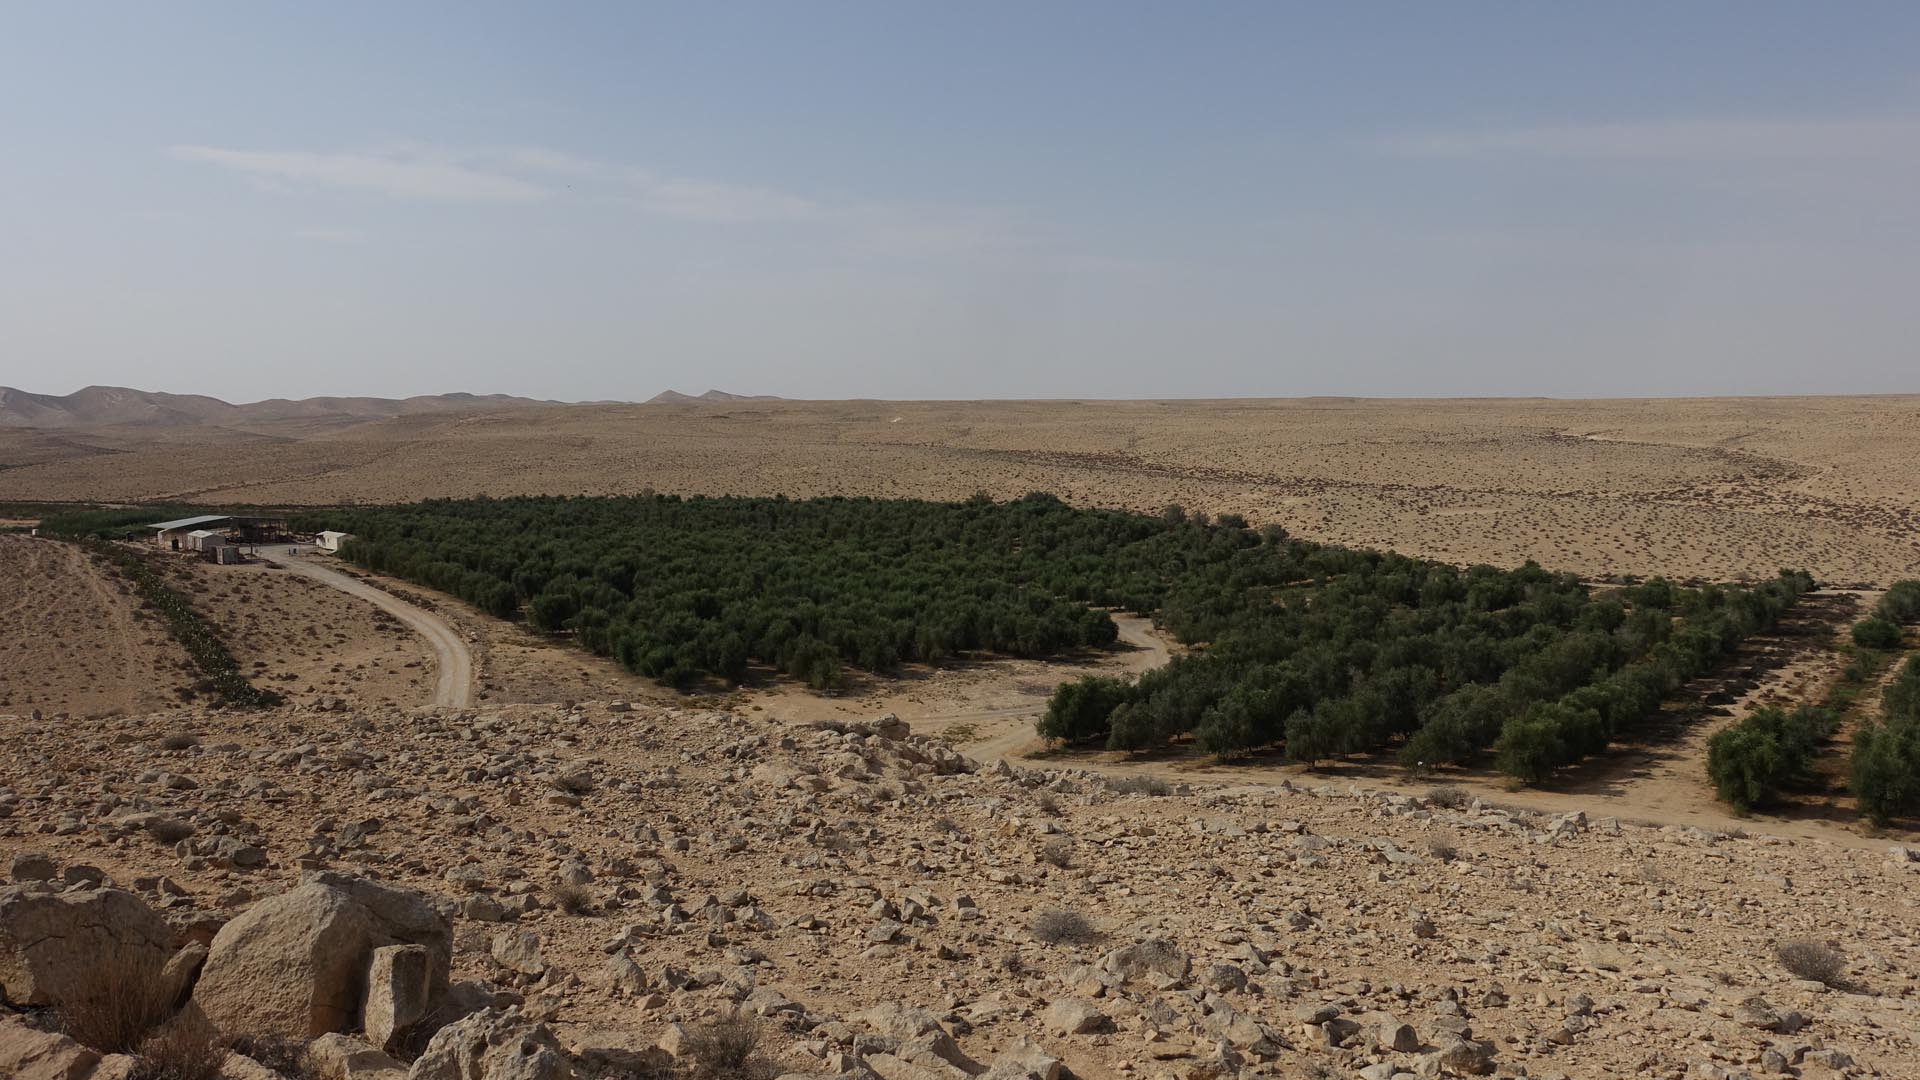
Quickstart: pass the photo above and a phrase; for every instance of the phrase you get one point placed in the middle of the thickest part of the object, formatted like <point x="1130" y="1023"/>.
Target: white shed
<point x="331" y="541"/>
<point x="204" y="540"/>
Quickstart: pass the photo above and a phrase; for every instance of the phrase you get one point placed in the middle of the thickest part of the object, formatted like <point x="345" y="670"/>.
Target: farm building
<point x="331" y="541"/>
<point x="231" y="528"/>
<point x="175" y="535"/>
<point x="203" y="540"/>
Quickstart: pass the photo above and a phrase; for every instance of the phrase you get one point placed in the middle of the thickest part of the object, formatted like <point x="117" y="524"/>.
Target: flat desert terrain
<point x="1600" y="487"/>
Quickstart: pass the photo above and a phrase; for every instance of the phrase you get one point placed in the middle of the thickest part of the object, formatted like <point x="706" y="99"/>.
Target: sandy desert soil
<point x="303" y="639"/>
<point x="1599" y="487"/>
<point x="815" y="875"/>
<point x="74" y="639"/>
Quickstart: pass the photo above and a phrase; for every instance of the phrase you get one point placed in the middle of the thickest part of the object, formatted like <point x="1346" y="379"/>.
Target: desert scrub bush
<point x="572" y="899"/>
<point x="1814" y="960"/>
<point x="1139" y="785"/>
<point x="1901" y="604"/>
<point x="1876" y="633"/>
<point x="286" y="1056"/>
<point x="113" y="1005"/>
<point x="1771" y="751"/>
<point x="184" y="1048"/>
<point x="1059" y="927"/>
<point x="1057" y="851"/>
<point x="1442" y="848"/>
<point x="1046" y="803"/>
<point x="727" y="1047"/>
<point x="1448" y="797"/>
<point x="959" y="734"/>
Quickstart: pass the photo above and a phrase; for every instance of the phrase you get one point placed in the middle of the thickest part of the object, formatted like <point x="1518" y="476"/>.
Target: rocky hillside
<point x="533" y="892"/>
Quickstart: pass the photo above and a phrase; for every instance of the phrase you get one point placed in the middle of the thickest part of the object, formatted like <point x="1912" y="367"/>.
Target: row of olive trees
<point x="1439" y="662"/>
<point x="1772" y="751"/>
<point x="679" y="589"/>
<point x="1885" y="767"/>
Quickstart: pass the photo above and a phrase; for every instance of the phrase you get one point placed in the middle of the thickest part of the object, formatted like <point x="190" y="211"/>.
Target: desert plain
<point x="577" y="873"/>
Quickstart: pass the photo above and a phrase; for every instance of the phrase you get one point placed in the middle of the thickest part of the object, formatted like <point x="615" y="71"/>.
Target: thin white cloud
<point x="523" y="174"/>
<point x="387" y="174"/>
<point x="706" y="200"/>
<point x="1686" y="140"/>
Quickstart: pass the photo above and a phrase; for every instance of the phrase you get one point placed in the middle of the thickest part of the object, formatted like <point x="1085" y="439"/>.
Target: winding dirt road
<point x="452" y="659"/>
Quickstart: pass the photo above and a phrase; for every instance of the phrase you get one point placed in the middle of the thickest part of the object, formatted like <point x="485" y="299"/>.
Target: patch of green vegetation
<point x="1322" y="650"/>
<point x="114" y="523"/>
<point x="1770" y="752"/>
<point x="1886" y="753"/>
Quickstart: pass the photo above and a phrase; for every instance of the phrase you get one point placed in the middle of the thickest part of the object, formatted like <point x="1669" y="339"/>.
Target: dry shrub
<point x="1815" y="960"/>
<point x="181" y="1049"/>
<point x="1449" y="797"/>
<point x="1047" y="803"/>
<point x="1057" y="851"/>
<point x="117" y="1002"/>
<point x="959" y="734"/>
<point x="572" y="899"/>
<point x="283" y="1055"/>
<point x="1058" y="927"/>
<point x="1139" y="785"/>
<point x="1442" y="848"/>
<point x="727" y="1047"/>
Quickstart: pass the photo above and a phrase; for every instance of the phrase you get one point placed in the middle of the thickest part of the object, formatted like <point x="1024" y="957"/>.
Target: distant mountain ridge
<point x="119" y="406"/>
<point x="675" y="397"/>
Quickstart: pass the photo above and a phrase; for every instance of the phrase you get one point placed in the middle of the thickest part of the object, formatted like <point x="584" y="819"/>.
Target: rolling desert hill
<point x="675" y="397"/>
<point x="119" y="406"/>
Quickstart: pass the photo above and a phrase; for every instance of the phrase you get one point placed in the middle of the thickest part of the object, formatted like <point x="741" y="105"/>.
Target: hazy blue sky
<point x="899" y="199"/>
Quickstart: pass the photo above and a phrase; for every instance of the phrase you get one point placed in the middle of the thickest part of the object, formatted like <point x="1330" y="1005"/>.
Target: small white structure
<point x="331" y="541"/>
<point x="203" y="540"/>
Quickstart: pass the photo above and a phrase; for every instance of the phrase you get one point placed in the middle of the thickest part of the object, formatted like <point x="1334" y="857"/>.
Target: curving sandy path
<point x="1149" y="650"/>
<point x="453" y="660"/>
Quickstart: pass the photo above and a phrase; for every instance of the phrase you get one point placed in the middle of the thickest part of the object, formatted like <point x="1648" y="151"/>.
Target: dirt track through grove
<point x="453" y="660"/>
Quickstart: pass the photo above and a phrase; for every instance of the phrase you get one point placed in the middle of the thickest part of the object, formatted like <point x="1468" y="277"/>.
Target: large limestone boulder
<point x="400" y="917"/>
<point x="52" y="945"/>
<point x="298" y="964"/>
<point x="493" y="1045"/>
<point x="293" y="965"/>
